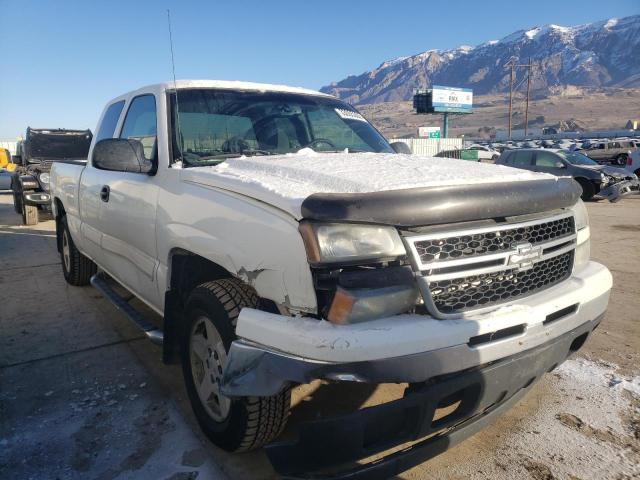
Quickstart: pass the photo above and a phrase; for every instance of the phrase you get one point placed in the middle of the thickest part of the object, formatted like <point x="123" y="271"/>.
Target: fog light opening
<point x="578" y="342"/>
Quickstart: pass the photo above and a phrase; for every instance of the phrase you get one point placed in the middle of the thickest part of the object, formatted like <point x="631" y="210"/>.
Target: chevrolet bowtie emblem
<point x="524" y="256"/>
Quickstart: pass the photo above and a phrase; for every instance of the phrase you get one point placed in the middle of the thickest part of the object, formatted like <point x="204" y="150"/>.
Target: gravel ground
<point x="82" y="395"/>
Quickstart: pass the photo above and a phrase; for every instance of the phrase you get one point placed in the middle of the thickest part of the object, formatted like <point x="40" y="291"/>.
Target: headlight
<point x="581" y="215"/>
<point x="336" y="242"/>
<point x="604" y="178"/>
<point x="583" y="244"/>
<point x="44" y="177"/>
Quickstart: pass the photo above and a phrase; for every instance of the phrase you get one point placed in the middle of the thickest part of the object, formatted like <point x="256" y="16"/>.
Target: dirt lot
<point x="82" y="395"/>
<point x="600" y="109"/>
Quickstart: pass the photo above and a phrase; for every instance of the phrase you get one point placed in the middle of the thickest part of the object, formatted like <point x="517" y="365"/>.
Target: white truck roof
<point x="158" y="88"/>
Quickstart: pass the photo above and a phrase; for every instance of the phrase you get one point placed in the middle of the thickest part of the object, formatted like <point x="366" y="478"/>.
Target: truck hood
<point x="289" y="182"/>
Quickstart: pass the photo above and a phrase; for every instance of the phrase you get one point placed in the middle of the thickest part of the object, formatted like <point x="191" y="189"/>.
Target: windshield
<point x="576" y="158"/>
<point x="214" y="125"/>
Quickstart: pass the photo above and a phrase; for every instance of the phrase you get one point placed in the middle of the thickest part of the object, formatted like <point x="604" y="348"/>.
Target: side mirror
<point x="559" y="164"/>
<point x="121" y="155"/>
<point x="401" y="147"/>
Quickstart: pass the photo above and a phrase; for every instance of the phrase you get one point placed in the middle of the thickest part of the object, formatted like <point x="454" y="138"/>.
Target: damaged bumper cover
<point x="328" y="448"/>
<point x="616" y="191"/>
<point x="274" y="351"/>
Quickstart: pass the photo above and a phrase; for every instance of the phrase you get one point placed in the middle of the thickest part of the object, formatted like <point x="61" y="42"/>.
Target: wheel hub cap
<point x="66" y="256"/>
<point x="208" y="358"/>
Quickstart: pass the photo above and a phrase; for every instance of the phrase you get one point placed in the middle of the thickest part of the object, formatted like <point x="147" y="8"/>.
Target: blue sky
<point x="64" y="59"/>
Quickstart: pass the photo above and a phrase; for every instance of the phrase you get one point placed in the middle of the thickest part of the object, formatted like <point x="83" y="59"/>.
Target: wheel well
<point x="60" y="212"/>
<point x="637" y="172"/>
<point x="595" y="186"/>
<point x="189" y="270"/>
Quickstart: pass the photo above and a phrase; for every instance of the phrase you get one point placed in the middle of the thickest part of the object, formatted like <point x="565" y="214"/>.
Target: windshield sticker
<point x="349" y="115"/>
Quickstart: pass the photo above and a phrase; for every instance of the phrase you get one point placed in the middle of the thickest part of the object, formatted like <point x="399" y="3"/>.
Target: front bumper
<point x="274" y="351"/>
<point x="328" y="448"/>
<point x="616" y="191"/>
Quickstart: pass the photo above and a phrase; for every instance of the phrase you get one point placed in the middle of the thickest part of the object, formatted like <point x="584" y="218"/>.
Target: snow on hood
<point x="286" y="180"/>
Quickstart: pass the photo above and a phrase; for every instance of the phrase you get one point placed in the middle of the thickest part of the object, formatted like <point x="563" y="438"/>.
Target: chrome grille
<point x="446" y="248"/>
<point x="467" y="293"/>
<point x="471" y="269"/>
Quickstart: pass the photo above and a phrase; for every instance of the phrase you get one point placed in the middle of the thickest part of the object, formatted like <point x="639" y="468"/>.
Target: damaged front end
<point x="464" y="313"/>
<point x="619" y="188"/>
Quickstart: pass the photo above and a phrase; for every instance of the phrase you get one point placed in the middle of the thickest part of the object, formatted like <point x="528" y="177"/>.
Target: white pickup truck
<point x="283" y="240"/>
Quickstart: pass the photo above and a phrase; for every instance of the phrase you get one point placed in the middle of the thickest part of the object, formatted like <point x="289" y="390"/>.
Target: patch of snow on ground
<point x="594" y="396"/>
<point x="578" y="430"/>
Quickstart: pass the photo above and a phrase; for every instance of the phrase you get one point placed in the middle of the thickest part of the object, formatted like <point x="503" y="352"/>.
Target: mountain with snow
<point x="599" y="54"/>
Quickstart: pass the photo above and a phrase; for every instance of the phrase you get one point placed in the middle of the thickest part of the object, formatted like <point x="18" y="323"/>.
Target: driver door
<point x="127" y="217"/>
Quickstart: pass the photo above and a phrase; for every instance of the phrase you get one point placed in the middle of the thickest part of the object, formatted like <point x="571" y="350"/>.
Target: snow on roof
<point x="234" y="85"/>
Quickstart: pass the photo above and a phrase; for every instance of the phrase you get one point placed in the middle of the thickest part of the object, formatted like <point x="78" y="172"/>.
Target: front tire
<point x="234" y="424"/>
<point x="77" y="268"/>
<point x="29" y="214"/>
<point x="588" y="190"/>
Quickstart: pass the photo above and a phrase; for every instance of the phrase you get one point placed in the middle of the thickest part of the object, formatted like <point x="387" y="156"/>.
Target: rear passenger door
<point x="90" y="185"/>
<point x="128" y="215"/>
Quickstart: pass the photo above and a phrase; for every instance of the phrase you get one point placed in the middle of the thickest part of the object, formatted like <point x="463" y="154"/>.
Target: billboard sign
<point x="429" y="132"/>
<point x="451" y="99"/>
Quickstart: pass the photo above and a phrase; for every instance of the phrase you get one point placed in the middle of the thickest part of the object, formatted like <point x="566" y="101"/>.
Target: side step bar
<point x="100" y="283"/>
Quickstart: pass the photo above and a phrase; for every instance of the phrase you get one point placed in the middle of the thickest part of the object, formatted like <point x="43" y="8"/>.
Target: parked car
<point x="283" y="240"/>
<point x="40" y="149"/>
<point x="633" y="163"/>
<point x="604" y="181"/>
<point x="485" y="152"/>
<point x="611" y="151"/>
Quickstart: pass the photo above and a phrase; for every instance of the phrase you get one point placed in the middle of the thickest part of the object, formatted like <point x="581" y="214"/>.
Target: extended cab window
<point x="109" y="121"/>
<point x="140" y="123"/>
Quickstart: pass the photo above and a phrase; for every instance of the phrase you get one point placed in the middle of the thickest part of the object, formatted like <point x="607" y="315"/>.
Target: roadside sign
<point x="429" y="132"/>
<point x="451" y="99"/>
<point x="439" y="99"/>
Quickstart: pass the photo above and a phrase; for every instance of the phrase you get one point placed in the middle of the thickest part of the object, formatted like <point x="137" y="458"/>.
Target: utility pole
<point x="445" y="125"/>
<point x="513" y="65"/>
<point x="526" y="110"/>
<point x="511" y="95"/>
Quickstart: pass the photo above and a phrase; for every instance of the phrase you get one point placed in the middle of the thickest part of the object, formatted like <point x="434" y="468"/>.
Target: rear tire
<point x="234" y="424"/>
<point x="77" y="268"/>
<point x="29" y="214"/>
<point x="621" y="159"/>
<point x="588" y="190"/>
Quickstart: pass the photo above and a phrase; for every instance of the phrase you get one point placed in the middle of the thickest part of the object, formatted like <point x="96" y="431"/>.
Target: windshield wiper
<point x="255" y="153"/>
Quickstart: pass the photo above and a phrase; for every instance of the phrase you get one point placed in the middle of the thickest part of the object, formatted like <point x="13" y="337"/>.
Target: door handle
<point x="104" y="193"/>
